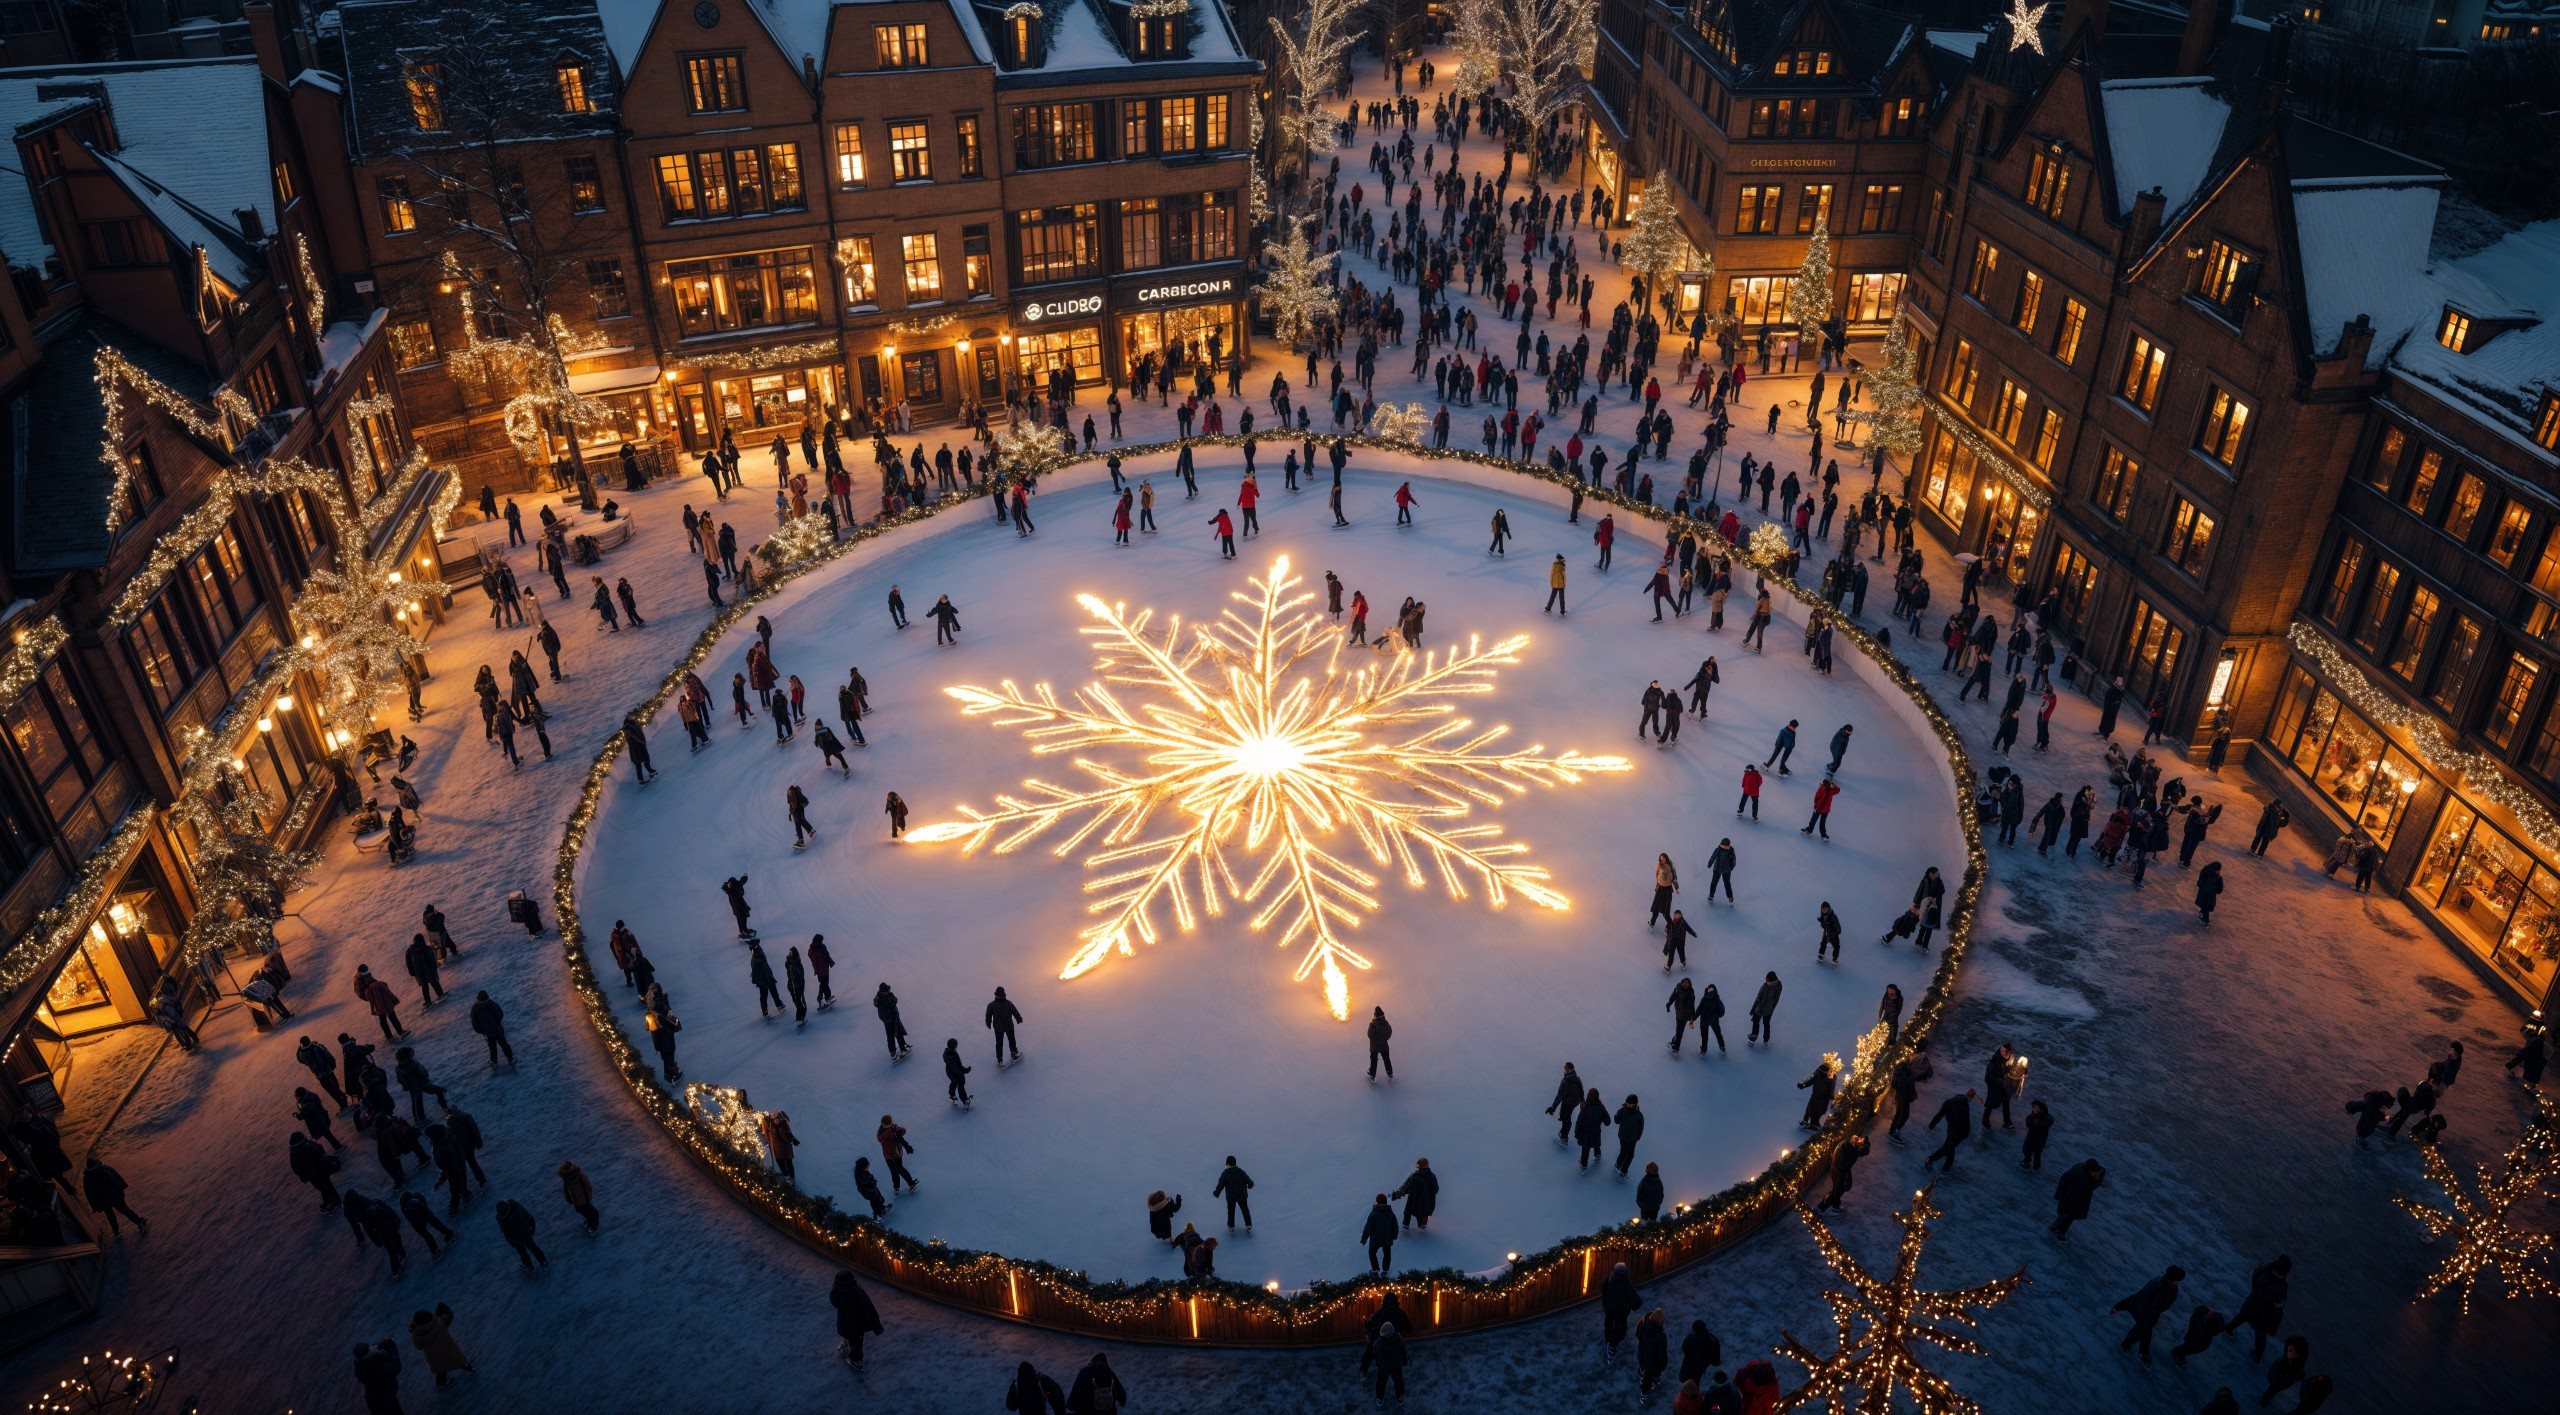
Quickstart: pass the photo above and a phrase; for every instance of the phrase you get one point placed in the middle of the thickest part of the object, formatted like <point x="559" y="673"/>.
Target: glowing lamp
<point x="266" y="724"/>
<point x="284" y="702"/>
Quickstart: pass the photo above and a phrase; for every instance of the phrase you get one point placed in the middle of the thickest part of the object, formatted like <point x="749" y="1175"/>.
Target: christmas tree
<point x="1809" y="299"/>
<point x="242" y="876"/>
<point x="1295" y="293"/>
<point x="1894" y="387"/>
<point x="1657" y="248"/>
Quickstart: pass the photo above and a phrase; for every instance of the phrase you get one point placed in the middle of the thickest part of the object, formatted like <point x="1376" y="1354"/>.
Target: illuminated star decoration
<point x="1261" y="738"/>
<point x="1406" y="423"/>
<point x="2485" y="1236"/>
<point x="2025" y="23"/>
<point x="1896" y="1316"/>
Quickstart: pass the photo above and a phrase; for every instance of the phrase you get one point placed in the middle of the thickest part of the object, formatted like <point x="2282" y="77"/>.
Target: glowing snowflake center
<point x="1269" y="756"/>
<point x="1252" y="742"/>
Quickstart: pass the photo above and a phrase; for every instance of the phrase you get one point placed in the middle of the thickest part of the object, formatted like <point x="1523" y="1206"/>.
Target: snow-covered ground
<point x="2206" y="1069"/>
<point x="1147" y="1072"/>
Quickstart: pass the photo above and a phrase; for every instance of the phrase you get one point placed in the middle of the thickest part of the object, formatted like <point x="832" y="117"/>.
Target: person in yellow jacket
<point x="1555" y="587"/>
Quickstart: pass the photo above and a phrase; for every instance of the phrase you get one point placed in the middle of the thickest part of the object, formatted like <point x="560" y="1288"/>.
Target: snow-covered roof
<point x="227" y="253"/>
<point x="2363" y="251"/>
<point x="2502" y="379"/>
<point x="2163" y="133"/>
<point x="626" y="27"/>
<point x="196" y="127"/>
<point x="1966" y="42"/>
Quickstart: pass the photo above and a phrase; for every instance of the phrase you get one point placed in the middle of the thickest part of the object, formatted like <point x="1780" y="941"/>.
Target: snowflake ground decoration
<point x="1882" y="1321"/>
<point x="2488" y="1236"/>
<point x="1262" y="740"/>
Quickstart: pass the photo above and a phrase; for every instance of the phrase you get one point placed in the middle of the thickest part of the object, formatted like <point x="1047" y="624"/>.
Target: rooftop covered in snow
<point x="195" y="127"/>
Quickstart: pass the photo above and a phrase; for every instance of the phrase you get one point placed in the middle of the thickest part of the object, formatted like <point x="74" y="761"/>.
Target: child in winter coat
<point x="432" y="1334"/>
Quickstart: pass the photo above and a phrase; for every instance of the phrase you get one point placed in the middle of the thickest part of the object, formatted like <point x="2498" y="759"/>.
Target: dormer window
<point x="1023" y="32"/>
<point x="2225" y="275"/>
<point x="1802" y="63"/>
<point x="424" y="81"/>
<point x="2546" y="423"/>
<point x="571" y="76"/>
<point x="1158" y="38"/>
<point x="2454" y="330"/>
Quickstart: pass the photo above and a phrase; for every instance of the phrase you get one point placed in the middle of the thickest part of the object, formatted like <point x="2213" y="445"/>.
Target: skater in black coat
<point x="1380" y="1032"/>
<point x="1001" y="1015"/>
<point x="1568" y="1095"/>
<point x="1588" y="1122"/>
<point x="1649" y="1193"/>
<point x="1711" y="1020"/>
<point x="1653" y="1352"/>
<point x="2147" y="1305"/>
<point x="1683" y="1007"/>
<point x="885" y="1003"/>
<point x="1957" y="1114"/>
<point x="2039" y="1130"/>
<point x="2071" y="1195"/>
<point x="314" y="1117"/>
<point x="1700" y="1353"/>
<point x="1161" y="1207"/>
<point x="2208" y="891"/>
<point x="760" y="973"/>
<point x="795" y="980"/>
<point x="2263" y="1311"/>
<point x="1236" y="1187"/>
<point x="736" y="888"/>
<point x="315" y="1167"/>
<point x="490" y="1021"/>
<point x="1032" y="1393"/>
<point x="323" y="1068"/>
<point x="955" y="1074"/>
<point x="1096" y="1389"/>
<point x="1819" y="1088"/>
<point x="856" y="1318"/>
<point x="515" y="1224"/>
<point x="420" y="959"/>
<point x="1378" y="1232"/>
<point x="377" y="1370"/>
<point x="869" y="1187"/>
<point x="1421" y="1194"/>
<point x="1844" y="1161"/>
<point x="1630" y="1122"/>
<point x="1619" y="1300"/>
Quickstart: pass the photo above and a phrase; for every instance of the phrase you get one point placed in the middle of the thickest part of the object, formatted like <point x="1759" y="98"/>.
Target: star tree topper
<point x="1261" y="741"/>
<point x="1896" y="1315"/>
<point x="2026" y="26"/>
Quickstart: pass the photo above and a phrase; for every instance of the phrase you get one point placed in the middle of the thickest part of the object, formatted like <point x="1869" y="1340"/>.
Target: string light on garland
<point x="726" y="1113"/>
<point x="1400" y="424"/>
<point x="242" y="874"/>
<point x="118" y="379"/>
<point x="807" y="351"/>
<point x="1768" y="543"/>
<point x="1034" y="1291"/>
<point x="31" y="650"/>
<point x="1159" y="9"/>
<point x="315" y="296"/>
<point x="2487" y="1237"/>
<point x="1262" y="740"/>
<point x="108" y="1382"/>
<point x="1951" y="420"/>
<point x="1883" y="1320"/>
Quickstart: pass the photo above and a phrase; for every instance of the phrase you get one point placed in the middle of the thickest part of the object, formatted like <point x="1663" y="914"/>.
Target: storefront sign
<point x="1793" y="164"/>
<point x="1179" y="291"/>
<point x="1061" y="307"/>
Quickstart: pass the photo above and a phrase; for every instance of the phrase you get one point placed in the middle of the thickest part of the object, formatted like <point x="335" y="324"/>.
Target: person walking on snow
<point x="1001" y="1016"/>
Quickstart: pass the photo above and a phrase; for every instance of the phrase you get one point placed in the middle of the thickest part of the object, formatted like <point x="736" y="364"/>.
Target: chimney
<point x="2204" y="26"/>
<point x="2142" y="225"/>
<point x="251" y="224"/>
<point x="2355" y="343"/>
<point x="268" y="39"/>
<point x="2275" y="65"/>
<point x="809" y="71"/>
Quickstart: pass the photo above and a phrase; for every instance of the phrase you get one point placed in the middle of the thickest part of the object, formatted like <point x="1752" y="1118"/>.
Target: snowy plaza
<point x="1151" y="1068"/>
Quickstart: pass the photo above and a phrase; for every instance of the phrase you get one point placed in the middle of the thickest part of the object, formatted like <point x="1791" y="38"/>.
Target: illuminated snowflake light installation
<point x="1264" y="738"/>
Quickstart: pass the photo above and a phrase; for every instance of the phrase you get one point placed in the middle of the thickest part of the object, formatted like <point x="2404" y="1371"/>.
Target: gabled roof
<point x="1866" y="40"/>
<point x="2162" y="133"/>
<point x="197" y="127"/>
<point x="49" y="431"/>
<point x="229" y="253"/>
<point x="2501" y="382"/>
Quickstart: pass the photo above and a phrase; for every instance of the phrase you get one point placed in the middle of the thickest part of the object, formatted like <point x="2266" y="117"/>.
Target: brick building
<point x="757" y="214"/>
<point x="1771" y="120"/>
<point x="2139" y="368"/>
<point x="176" y="284"/>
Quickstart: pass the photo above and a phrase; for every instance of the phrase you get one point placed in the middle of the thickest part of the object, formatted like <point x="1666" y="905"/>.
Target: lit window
<point x="2506" y="707"/>
<point x="1814" y="208"/>
<point x="973" y="162"/>
<point x="715" y="83"/>
<point x="924" y="266"/>
<point x="2454" y="332"/>
<point x="2379" y="600"/>
<point x="2422" y="485"/>
<point x="1180" y="120"/>
<point x="900" y="46"/>
<point x="2190" y="540"/>
<point x="2030" y="302"/>
<point x="2462" y="509"/>
<point x="1986" y="262"/>
<point x="909" y="159"/>
<point x="2546" y="424"/>
<point x="574" y="98"/>
<point x="2144" y="366"/>
<point x="861" y="276"/>
<point x="424" y="81"/>
<point x="2048" y="184"/>
<point x="2009" y="414"/>
<point x="2117" y="476"/>
<point x="2409" y="650"/>
<point x="2068" y="329"/>
<point x="849" y="166"/>
<point x="611" y="293"/>
<point x="399" y="214"/>
<point x="2226" y="422"/>
<point x="586" y="185"/>
<point x="2508" y="539"/>
<point x="1962" y="375"/>
<point x="2048" y="438"/>
<point x="2225" y="274"/>
<point x="2340" y="591"/>
<point x="413" y="344"/>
